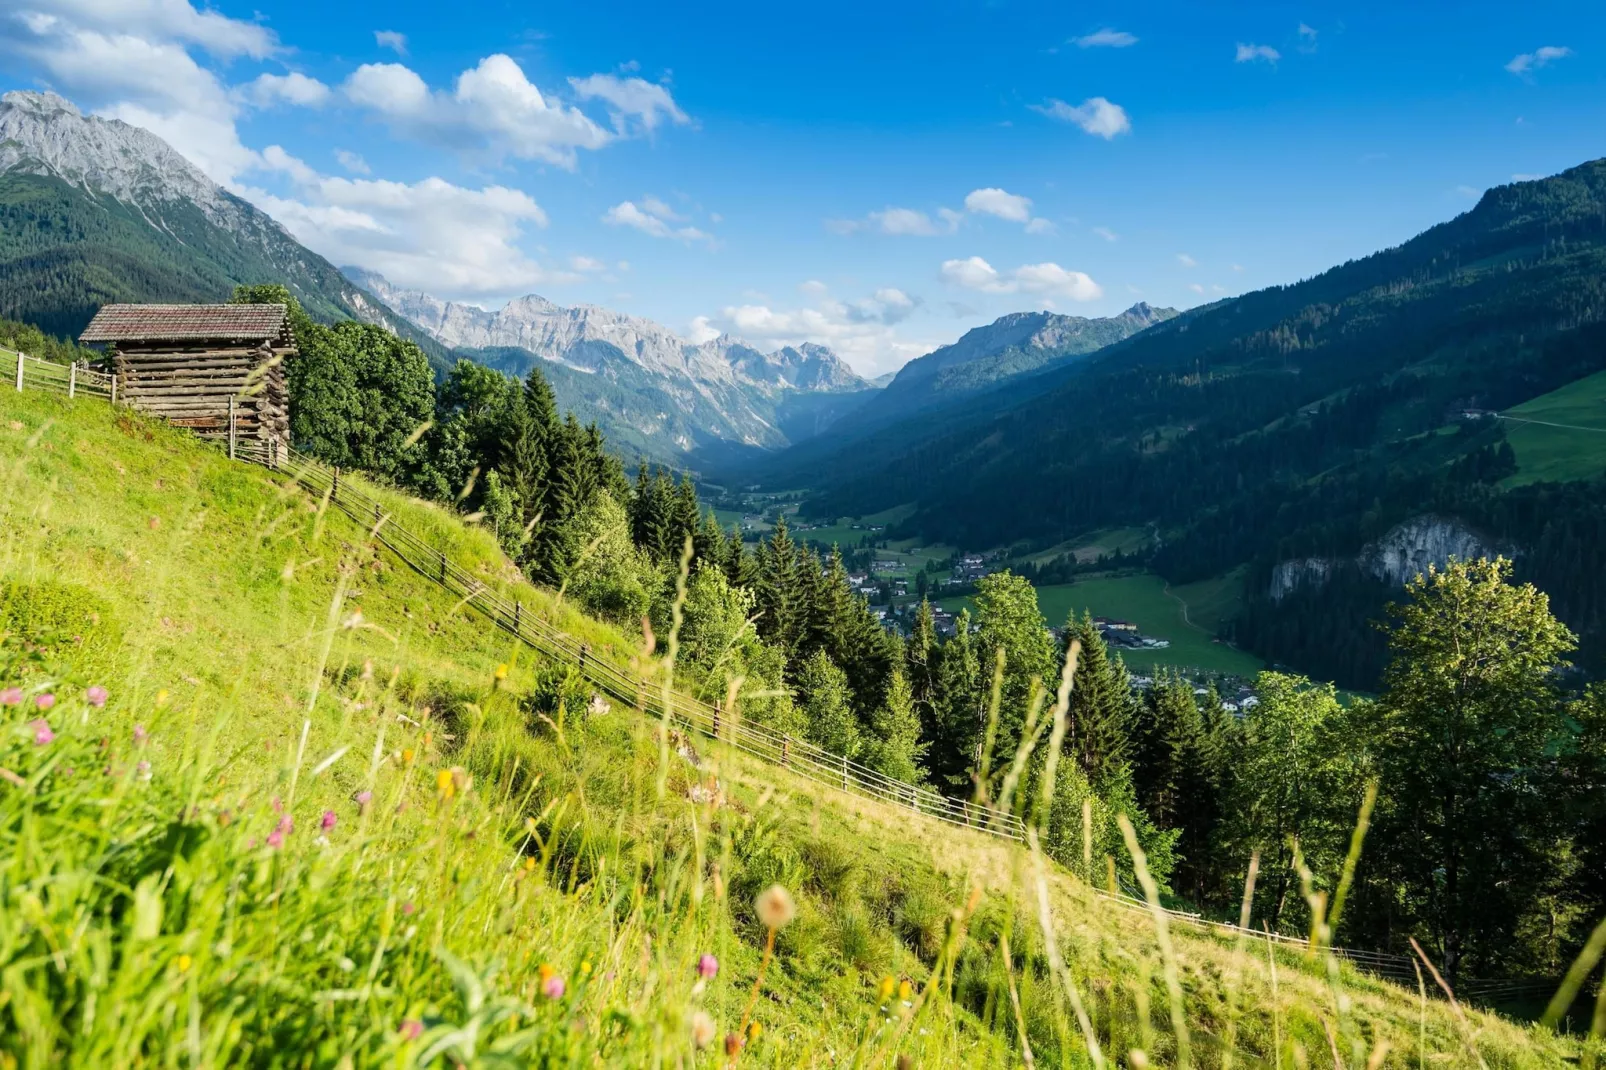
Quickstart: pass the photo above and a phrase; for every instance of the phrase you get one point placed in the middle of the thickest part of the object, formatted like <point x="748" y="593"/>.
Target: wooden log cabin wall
<point x="201" y="365"/>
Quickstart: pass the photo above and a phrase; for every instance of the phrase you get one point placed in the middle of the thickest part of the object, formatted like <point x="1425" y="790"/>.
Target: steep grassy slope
<point x="1561" y="435"/>
<point x="300" y="834"/>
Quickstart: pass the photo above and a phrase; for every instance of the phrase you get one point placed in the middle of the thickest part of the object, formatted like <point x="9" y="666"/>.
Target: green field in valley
<point x="1144" y="600"/>
<point x="1566" y="439"/>
<point x="1091" y="546"/>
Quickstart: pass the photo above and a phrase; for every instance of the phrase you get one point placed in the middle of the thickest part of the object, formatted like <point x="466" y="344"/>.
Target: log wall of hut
<point x="192" y="386"/>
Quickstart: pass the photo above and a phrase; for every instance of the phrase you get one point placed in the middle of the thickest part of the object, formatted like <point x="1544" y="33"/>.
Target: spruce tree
<point x="895" y="746"/>
<point x="959" y="706"/>
<point x="783" y="613"/>
<point x="920" y="665"/>
<point x="1101" y="708"/>
<point x="827" y="706"/>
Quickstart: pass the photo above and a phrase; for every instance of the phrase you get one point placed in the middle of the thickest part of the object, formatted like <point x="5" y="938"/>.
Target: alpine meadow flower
<point x="411" y="1029"/>
<point x="553" y="987"/>
<point x="42" y="734"/>
<point x="44" y="701"/>
<point x="702" y="1029"/>
<point x="140" y="735"/>
<point x="328" y="821"/>
<point x="11" y="696"/>
<point x="96" y="696"/>
<point x="775" y="907"/>
<point x="707" y="966"/>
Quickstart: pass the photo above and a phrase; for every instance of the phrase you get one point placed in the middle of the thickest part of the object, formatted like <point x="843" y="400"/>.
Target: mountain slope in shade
<point x="1015" y="346"/>
<point x="94" y="211"/>
<point x="651" y="390"/>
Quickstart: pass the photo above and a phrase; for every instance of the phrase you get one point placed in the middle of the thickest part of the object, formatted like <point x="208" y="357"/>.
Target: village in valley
<point x="895" y="576"/>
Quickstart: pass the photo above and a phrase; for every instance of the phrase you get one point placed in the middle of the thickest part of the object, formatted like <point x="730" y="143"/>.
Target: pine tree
<point x="958" y="700"/>
<point x="920" y="665"/>
<point x="827" y="706"/>
<point x="895" y="746"/>
<point x="783" y="612"/>
<point x="1101" y="709"/>
<point x="741" y="567"/>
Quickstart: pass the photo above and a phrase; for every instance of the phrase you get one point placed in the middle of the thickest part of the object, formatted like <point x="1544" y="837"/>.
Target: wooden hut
<point x="218" y="369"/>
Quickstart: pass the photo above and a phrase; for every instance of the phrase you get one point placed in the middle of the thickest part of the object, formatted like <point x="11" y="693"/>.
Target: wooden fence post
<point x="844" y="772"/>
<point x="114" y="389"/>
<point x="334" y="488"/>
<point x="518" y="612"/>
<point x="583" y="651"/>
<point x="786" y="748"/>
<point x="19" y="370"/>
<point x="72" y="379"/>
<point x="442" y="556"/>
<point x="231" y="428"/>
<point x="716" y="718"/>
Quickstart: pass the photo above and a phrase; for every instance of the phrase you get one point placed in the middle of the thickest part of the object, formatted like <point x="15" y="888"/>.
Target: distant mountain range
<point x="94" y="211"/>
<point x="646" y="386"/>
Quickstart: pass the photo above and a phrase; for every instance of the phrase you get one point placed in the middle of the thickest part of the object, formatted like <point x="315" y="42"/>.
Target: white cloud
<point x="1307" y="38"/>
<point x="144" y="74"/>
<point x="1187" y="261"/>
<point x="170" y="20"/>
<point x="494" y="109"/>
<point x="1107" y="234"/>
<point x="631" y="100"/>
<point x="861" y="331"/>
<point x="659" y="208"/>
<point x="1106" y="38"/>
<point x="1196" y="288"/>
<point x="391" y="39"/>
<point x="352" y="162"/>
<point x="1237" y="267"/>
<point x="431" y="235"/>
<point x="996" y="202"/>
<point x="1251" y="53"/>
<point x="586" y="264"/>
<point x="1095" y="115"/>
<point x="1039" y="225"/>
<point x="293" y="88"/>
<point x="1044" y="280"/>
<point x="629" y="214"/>
<point x="1539" y="57"/>
<point x="909" y="221"/>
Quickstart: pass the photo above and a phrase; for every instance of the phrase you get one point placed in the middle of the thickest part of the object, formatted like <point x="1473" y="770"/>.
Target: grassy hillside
<point x="325" y="817"/>
<point x="1561" y="435"/>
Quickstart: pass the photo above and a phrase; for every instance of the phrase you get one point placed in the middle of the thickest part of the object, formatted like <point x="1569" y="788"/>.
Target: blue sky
<point x="878" y="178"/>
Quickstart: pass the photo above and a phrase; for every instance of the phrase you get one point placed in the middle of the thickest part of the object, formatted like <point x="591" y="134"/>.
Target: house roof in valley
<point x="189" y="323"/>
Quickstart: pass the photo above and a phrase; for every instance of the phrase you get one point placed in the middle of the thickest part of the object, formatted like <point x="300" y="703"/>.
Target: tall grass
<point x="321" y="818"/>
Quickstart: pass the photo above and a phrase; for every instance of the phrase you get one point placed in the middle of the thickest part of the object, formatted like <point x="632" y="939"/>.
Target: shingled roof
<point x="188" y="323"/>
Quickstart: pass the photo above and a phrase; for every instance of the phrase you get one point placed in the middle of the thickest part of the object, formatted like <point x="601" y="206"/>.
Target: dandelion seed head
<point x="702" y="1029"/>
<point x="775" y="907"/>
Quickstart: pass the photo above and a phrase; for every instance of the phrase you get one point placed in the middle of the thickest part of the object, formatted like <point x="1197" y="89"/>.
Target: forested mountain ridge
<point x="94" y="211"/>
<point x="1300" y="420"/>
<point x="1019" y="343"/>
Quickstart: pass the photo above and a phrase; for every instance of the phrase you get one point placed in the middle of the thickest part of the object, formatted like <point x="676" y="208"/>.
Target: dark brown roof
<point x="188" y="323"/>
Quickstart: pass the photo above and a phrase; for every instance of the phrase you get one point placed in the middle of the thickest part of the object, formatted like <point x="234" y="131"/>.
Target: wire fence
<point x="656" y="697"/>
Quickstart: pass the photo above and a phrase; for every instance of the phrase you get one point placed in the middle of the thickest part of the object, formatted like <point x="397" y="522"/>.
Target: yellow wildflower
<point x="585" y="968"/>
<point x="545" y="970"/>
<point x="444" y="784"/>
<point x="905" y="989"/>
<point x="183" y="963"/>
<point x="161" y="697"/>
<point x="529" y="862"/>
<point x="407" y="756"/>
<point x="501" y="672"/>
<point x="884" y="992"/>
<point x="754" y="1031"/>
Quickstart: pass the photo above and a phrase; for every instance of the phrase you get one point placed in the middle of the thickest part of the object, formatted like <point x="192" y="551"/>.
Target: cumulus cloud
<point x="1047" y="280"/>
<point x="652" y="217"/>
<point x="1187" y="261"/>
<point x="996" y="202"/>
<point x="632" y="102"/>
<point x="493" y="109"/>
<point x="1105" y="38"/>
<point x="1196" y="287"/>
<point x="352" y="162"/>
<point x="1095" y="115"/>
<point x="396" y="42"/>
<point x="267" y="90"/>
<point x="861" y="330"/>
<point x="432" y="235"/>
<point x="1539" y="57"/>
<point x="903" y="221"/>
<point x="1251" y="53"/>
<point x="132" y="62"/>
